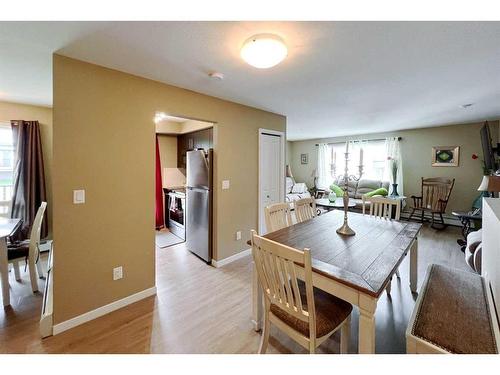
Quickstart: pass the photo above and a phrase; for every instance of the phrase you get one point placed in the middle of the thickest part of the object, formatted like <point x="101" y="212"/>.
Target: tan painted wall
<point x="168" y="127"/>
<point x="104" y="143"/>
<point x="416" y="152"/>
<point x="288" y="156"/>
<point x="15" y="111"/>
<point x="188" y="126"/>
<point x="167" y="145"/>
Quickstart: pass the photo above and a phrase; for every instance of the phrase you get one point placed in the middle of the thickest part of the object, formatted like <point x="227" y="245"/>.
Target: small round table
<point x="338" y="203"/>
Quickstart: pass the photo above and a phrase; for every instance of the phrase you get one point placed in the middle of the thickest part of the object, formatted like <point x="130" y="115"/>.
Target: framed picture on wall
<point x="445" y="156"/>
<point x="304" y="158"/>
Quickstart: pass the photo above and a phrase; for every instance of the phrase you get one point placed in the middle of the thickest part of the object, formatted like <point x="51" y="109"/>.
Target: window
<point x="6" y="168"/>
<point x="373" y="154"/>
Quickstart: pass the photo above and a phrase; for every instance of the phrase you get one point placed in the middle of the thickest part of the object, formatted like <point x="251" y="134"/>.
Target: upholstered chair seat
<point x="330" y="312"/>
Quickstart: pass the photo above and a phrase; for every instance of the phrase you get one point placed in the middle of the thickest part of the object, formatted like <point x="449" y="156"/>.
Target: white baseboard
<point x="103" y="310"/>
<point x="232" y="258"/>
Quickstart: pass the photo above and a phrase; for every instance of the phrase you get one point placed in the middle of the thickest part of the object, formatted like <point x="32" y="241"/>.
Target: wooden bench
<point x="452" y="315"/>
<point x="456" y="311"/>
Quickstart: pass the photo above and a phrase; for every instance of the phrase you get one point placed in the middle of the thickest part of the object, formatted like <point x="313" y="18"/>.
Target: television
<point x="488" y="150"/>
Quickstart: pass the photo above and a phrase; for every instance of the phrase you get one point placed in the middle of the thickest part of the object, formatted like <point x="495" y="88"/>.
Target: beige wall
<point x="104" y="143"/>
<point x="188" y="126"/>
<point x="416" y="153"/>
<point x="14" y="111"/>
<point x="288" y="156"/>
<point x="167" y="144"/>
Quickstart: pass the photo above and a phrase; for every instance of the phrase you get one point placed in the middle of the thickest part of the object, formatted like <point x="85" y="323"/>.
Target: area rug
<point x="165" y="239"/>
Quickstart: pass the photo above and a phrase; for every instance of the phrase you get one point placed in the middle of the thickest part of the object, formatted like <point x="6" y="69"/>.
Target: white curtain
<point x="393" y="151"/>
<point x="324" y="171"/>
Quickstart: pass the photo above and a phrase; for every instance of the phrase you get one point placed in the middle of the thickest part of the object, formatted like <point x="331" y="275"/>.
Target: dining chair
<point x="382" y="207"/>
<point x="277" y="216"/>
<point x="308" y="315"/>
<point x="29" y="250"/>
<point x="305" y="209"/>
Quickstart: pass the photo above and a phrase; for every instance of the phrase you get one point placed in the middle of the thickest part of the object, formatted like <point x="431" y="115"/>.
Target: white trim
<point x="103" y="310"/>
<point x="283" y="166"/>
<point x="232" y="258"/>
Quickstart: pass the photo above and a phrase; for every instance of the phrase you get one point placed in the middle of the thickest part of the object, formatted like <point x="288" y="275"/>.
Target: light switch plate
<point x="225" y="184"/>
<point x="238" y="235"/>
<point x="117" y="273"/>
<point x="78" y="196"/>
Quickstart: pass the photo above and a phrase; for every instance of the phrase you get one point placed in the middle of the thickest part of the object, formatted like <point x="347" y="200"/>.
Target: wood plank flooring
<point x="219" y="322"/>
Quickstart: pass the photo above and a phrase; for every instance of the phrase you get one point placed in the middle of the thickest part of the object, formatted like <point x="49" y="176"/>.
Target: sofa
<point x="473" y="250"/>
<point x="356" y="189"/>
<point x="295" y="191"/>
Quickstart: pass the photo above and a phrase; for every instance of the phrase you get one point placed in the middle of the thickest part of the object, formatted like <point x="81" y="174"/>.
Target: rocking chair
<point x="435" y="193"/>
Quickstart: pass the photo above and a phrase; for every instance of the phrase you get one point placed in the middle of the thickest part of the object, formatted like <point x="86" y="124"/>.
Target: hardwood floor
<point x="219" y="322"/>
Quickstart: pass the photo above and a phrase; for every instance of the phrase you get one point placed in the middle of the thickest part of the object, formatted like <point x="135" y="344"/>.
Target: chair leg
<point x="345" y="336"/>
<point x="39" y="268"/>
<point x="411" y="214"/>
<point x="422" y="217"/>
<point x="17" y="274"/>
<point x="33" y="278"/>
<point x="265" y="331"/>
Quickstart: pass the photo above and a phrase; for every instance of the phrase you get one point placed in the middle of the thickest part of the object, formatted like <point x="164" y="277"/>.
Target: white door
<point x="271" y="171"/>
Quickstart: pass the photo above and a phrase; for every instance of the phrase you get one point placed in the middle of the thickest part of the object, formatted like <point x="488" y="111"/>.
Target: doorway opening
<point x="184" y="191"/>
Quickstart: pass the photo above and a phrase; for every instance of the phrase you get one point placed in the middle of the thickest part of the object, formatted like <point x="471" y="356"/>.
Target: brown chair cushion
<point x="453" y="313"/>
<point x="330" y="312"/>
<point x="17" y="252"/>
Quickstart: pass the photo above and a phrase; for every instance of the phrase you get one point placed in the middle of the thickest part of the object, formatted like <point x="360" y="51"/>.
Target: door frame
<point x="281" y="135"/>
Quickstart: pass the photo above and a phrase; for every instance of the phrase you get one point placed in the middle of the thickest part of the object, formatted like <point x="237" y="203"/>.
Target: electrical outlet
<point x="117" y="273"/>
<point x="238" y="235"/>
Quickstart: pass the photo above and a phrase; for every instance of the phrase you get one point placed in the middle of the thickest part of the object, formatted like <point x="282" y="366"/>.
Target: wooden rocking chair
<point x="434" y="196"/>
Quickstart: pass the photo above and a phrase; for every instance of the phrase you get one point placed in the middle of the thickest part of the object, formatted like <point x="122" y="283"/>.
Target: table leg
<point x="4" y="272"/>
<point x="414" y="266"/>
<point x="257" y="308"/>
<point x="366" y="340"/>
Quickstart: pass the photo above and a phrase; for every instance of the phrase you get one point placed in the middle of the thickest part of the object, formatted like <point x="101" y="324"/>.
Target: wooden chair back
<point x="36" y="229"/>
<point x="435" y="193"/>
<point x="305" y="209"/>
<point x="382" y="207"/>
<point x="276" y="269"/>
<point x="277" y="216"/>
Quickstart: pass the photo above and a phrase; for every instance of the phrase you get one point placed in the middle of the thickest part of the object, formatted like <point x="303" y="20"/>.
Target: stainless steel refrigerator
<point x="199" y="170"/>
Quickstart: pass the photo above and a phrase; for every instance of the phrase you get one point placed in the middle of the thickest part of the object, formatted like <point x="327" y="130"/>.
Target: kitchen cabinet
<point x="190" y="141"/>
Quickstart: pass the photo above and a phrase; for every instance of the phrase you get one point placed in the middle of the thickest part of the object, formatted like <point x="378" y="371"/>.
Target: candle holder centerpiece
<point x="345" y="229"/>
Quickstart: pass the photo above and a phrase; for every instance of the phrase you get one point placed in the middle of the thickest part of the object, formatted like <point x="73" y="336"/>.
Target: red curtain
<point x="159" y="190"/>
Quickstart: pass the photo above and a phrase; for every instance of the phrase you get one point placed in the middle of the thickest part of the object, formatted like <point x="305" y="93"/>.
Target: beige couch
<point x="356" y="189"/>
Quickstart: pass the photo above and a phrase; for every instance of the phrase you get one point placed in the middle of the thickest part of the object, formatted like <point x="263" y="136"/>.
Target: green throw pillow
<point x="379" y="191"/>
<point x="337" y="190"/>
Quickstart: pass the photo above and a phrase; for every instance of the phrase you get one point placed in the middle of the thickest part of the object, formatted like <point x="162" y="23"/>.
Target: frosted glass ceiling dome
<point x="264" y="51"/>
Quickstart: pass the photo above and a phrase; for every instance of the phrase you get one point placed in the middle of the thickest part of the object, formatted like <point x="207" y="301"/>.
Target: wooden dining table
<point x="355" y="268"/>
<point x="7" y="228"/>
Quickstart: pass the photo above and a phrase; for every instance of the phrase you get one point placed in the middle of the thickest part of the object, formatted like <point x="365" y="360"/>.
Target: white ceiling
<point x="339" y="78"/>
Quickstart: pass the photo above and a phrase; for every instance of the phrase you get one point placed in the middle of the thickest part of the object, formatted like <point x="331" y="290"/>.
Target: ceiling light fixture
<point x="264" y="51"/>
